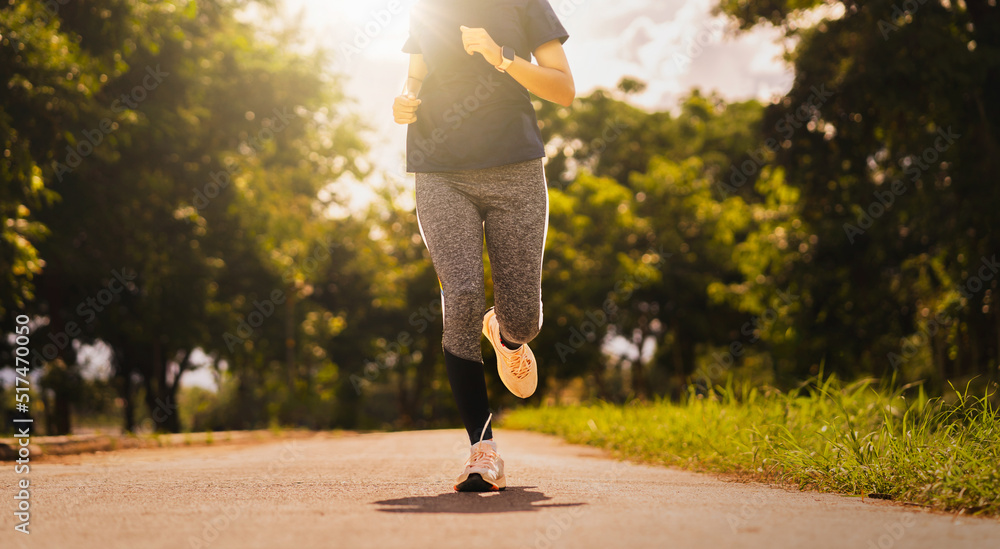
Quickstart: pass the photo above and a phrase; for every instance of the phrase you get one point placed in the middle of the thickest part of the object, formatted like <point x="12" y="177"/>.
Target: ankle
<point x="509" y="344"/>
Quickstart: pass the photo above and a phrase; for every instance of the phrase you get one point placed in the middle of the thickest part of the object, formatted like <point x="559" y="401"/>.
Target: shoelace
<point x="483" y="455"/>
<point x="520" y="363"/>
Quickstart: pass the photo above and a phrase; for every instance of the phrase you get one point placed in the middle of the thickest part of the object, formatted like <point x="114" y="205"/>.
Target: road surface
<point x="388" y="490"/>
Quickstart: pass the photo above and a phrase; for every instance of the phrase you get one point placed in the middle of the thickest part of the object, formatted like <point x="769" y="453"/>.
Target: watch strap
<point x="505" y="60"/>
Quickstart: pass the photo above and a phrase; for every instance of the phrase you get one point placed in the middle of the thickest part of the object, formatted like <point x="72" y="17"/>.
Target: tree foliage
<point x="171" y="194"/>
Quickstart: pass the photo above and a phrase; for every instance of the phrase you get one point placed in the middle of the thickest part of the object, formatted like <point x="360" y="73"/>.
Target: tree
<point x="890" y="137"/>
<point x="187" y="166"/>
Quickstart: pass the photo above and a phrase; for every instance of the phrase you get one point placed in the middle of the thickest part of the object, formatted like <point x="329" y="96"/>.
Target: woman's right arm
<point x="404" y="108"/>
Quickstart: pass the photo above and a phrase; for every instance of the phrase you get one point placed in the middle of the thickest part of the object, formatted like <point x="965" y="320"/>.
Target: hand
<point x="478" y="40"/>
<point x="404" y="108"/>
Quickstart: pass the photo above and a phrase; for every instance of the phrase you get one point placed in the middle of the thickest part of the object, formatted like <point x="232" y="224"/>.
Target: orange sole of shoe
<point x="475" y="483"/>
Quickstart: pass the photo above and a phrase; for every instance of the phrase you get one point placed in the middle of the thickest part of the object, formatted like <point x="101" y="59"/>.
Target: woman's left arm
<point x="550" y="79"/>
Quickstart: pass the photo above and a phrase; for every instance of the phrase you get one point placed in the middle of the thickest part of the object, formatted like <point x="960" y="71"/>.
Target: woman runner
<point x="474" y="145"/>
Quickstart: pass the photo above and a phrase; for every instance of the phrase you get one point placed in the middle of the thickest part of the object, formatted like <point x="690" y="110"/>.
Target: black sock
<point x="508" y="344"/>
<point x="468" y="385"/>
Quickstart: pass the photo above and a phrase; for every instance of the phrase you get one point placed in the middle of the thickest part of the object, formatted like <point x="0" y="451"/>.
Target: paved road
<point x="393" y="490"/>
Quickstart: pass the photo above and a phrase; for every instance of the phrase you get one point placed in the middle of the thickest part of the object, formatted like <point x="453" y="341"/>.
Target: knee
<point x="522" y="330"/>
<point x="463" y="300"/>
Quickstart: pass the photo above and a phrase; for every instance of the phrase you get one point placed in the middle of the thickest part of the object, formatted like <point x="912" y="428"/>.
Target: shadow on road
<point x="514" y="498"/>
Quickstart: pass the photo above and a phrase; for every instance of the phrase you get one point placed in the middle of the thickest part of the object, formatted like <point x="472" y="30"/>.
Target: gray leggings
<point x="511" y="202"/>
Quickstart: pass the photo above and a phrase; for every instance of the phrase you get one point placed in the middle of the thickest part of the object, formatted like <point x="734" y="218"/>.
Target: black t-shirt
<point x="472" y="115"/>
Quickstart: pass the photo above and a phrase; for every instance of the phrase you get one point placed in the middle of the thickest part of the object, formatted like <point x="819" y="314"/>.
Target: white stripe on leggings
<point x="422" y="236"/>
<point x="541" y="260"/>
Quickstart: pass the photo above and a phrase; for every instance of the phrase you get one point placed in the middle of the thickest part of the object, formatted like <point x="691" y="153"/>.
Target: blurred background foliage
<point x="169" y="172"/>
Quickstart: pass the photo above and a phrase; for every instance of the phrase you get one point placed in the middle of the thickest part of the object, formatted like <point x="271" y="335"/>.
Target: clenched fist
<point x="404" y="108"/>
<point x="478" y="40"/>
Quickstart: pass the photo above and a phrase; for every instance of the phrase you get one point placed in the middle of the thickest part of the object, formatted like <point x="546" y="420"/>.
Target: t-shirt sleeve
<point x="412" y="45"/>
<point x="542" y="24"/>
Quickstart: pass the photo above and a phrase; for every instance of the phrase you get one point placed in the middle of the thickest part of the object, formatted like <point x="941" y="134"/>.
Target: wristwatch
<point x="507" y="53"/>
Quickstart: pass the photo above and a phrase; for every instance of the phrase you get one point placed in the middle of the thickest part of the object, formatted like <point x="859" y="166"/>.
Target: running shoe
<point x="518" y="369"/>
<point x="484" y="468"/>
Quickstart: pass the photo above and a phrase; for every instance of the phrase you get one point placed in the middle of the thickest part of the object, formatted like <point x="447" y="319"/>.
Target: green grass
<point x="854" y="439"/>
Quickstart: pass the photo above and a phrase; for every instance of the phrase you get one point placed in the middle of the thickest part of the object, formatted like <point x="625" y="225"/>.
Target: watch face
<point x="508" y="53"/>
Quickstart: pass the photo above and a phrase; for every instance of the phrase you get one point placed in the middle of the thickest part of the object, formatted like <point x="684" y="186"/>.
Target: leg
<point x="452" y="229"/>
<point x="468" y="386"/>
<point x="516" y="223"/>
